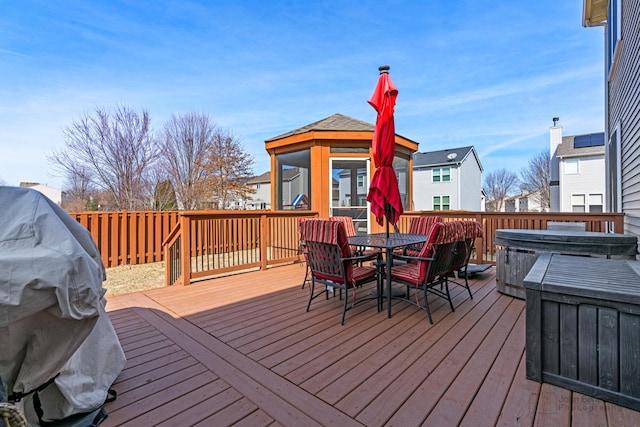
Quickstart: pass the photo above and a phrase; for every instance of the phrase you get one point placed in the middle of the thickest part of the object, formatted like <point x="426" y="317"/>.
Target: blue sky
<point x="488" y="74"/>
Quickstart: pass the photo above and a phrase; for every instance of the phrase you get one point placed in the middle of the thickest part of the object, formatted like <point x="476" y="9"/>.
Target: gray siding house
<point x="621" y="21"/>
<point x="447" y="180"/>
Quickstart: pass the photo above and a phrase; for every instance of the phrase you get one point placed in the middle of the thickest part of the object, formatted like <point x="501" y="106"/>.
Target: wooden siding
<point x="624" y="108"/>
<point x="242" y="350"/>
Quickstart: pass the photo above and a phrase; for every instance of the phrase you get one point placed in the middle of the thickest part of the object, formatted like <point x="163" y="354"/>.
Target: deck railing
<point x="210" y="243"/>
<point x="492" y="221"/>
<point x="199" y="244"/>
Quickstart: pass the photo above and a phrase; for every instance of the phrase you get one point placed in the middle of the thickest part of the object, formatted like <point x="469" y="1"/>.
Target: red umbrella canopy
<point x="384" y="190"/>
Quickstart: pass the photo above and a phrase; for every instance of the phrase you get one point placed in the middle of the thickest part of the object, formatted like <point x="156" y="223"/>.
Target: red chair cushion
<point x="349" y="227"/>
<point x="333" y="233"/>
<point x="423" y="224"/>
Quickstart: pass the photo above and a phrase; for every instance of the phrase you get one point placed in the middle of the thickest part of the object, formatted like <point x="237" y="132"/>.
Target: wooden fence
<point x="127" y="238"/>
<point x="220" y="242"/>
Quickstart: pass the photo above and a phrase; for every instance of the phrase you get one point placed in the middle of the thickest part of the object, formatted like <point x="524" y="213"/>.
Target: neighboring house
<point x="525" y="202"/>
<point x="447" y="180"/>
<point x="342" y="189"/>
<point x="261" y="199"/>
<point x="292" y="186"/>
<point x="621" y="21"/>
<point x="52" y="193"/>
<point x="577" y="172"/>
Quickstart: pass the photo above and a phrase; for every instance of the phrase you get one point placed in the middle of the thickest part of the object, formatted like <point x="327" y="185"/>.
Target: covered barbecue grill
<point x="55" y="336"/>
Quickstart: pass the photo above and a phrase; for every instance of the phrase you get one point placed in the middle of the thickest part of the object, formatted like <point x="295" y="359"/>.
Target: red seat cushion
<point x="441" y="232"/>
<point x="361" y="273"/>
<point x="407" y="272"/>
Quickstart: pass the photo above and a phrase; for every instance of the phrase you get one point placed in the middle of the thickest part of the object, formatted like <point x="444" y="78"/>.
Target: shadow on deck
<point x="242" y="350"/>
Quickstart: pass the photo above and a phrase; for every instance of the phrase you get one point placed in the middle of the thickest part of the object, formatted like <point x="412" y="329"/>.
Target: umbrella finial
<point x="384" y="69"/>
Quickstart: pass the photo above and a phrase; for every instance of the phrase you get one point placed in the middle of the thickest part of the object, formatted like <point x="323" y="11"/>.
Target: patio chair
<point x="470" y="230"/>
<point x="429" y="270"/>
<point x="419" y="225"/>
<point x="350" y="229"/>
<point x="303" y="250"/>
<point x="332" y="263"/>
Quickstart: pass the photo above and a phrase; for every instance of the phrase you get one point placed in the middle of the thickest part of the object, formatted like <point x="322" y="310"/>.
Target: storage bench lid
<point x="611" y="279"/>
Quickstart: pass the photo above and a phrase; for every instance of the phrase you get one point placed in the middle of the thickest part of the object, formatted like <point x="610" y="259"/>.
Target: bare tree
<point x="119" y="149"/>
<point x="79" y="190"/>
<point x="227" y="168"/>
<point x="498" y="185"/>
<point x="536" y="179"/>
<point x="185" y="140"/>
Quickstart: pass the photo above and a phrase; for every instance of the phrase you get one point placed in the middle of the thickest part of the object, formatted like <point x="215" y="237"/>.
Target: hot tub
<point x="518" y="250"/>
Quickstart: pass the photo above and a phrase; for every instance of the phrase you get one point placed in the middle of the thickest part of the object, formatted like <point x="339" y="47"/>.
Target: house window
<point x="614" y="21"/>
<point x="258" y="186"/>
<point x="578" y="203"/>
<point x="595" y="203"/>
<point x="523" y="204"/>
<point x="571" y="166"/>
<point x="614" y="186"/>
<point x="510" y="205"/>
<point x="441" y="174"/>
<point x="441" y="203"/>
<point x="360" y="181"/>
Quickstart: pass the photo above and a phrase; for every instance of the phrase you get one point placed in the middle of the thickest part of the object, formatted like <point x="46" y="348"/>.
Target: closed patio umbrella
<point x="384" y="194"/>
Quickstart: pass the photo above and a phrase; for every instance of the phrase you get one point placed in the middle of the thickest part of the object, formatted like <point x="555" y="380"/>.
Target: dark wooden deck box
<point x="518" y="250"/>
<point x="583" y="326"/>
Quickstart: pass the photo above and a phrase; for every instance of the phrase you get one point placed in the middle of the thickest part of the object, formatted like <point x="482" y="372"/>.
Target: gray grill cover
<point x="52" y="317"/>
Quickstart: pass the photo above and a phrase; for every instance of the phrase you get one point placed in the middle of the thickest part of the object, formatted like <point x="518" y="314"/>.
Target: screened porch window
<point x="293" y="186"/>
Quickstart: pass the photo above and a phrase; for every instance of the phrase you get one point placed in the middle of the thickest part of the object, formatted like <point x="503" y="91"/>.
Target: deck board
<point x="243" y="350"/>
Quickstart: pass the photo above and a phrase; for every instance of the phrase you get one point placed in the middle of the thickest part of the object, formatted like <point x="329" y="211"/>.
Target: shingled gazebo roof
<point x="334" y="123"/>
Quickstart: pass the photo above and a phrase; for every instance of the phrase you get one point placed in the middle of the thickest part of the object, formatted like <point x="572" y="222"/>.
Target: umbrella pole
<point x="387" y="212"/>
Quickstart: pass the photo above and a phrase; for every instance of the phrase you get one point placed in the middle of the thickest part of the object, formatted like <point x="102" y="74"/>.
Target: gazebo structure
<point x="326" y="167"/>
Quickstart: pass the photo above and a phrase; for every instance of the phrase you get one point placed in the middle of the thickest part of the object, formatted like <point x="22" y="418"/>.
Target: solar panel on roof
<point x="591" y="140"/>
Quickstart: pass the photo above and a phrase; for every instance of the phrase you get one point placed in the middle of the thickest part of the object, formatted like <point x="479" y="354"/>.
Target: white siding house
<point x="261" y="199"/>
<point x="525" y="202"/>
<point x="447" y="180"/>
<point x="580" y="163"/>
<point x="52" y="193"/>
<point x="621" y="21"/>
<point x="292" y="186"/>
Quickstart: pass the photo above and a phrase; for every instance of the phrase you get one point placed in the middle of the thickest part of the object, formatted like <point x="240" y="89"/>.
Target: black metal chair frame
<point x="460" y="262"/>
<point x="307" y="273"/>
<point x="324" y="260"/>
<point x="436" y="279"/>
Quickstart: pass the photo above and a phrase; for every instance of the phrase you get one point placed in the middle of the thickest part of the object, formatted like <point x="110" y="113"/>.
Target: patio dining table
<point x="388" y="242"/>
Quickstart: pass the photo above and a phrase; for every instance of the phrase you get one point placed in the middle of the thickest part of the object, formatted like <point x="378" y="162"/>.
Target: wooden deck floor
<point x="242" y="350"/>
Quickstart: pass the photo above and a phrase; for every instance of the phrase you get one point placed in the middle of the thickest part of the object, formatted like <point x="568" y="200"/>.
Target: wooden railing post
<point x="480" y="248"/>
<point x="185" y="249"/>
<point x="265" y="232"/>
<point x="619" y="224"/>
